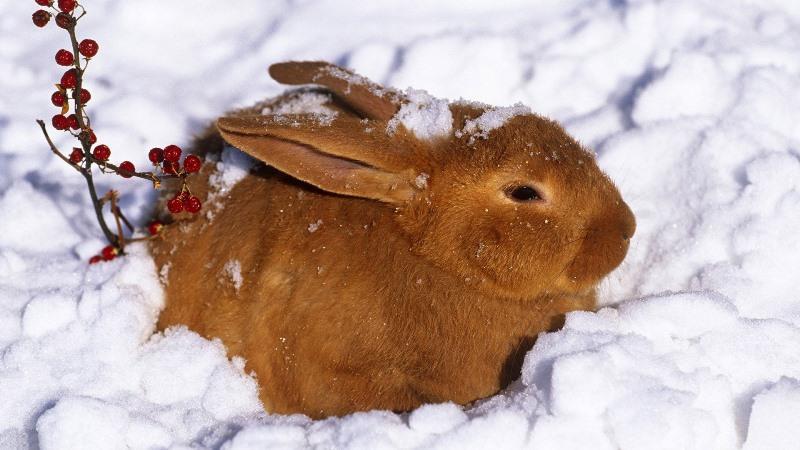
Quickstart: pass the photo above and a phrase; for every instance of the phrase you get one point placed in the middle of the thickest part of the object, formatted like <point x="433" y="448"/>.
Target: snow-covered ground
<point x="692" y="106"/>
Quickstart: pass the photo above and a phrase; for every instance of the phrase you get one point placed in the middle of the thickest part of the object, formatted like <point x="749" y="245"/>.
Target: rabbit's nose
<point x="628" y="224"/>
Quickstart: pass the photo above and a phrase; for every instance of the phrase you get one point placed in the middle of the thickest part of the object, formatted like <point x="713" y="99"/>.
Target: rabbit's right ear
<point x="367" y="98"/>
<point x="344" y="155"/>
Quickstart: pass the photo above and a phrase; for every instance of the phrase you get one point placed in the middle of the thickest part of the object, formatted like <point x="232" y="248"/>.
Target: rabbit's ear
<point x="344" y="155"/>
<point x="369" y="99"/>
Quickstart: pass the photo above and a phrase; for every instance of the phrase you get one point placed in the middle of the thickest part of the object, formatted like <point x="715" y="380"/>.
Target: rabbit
<point x="384" y="254"/>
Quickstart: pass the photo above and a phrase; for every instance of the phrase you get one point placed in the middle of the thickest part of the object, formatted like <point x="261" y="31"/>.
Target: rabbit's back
<point x="272" y="275"/>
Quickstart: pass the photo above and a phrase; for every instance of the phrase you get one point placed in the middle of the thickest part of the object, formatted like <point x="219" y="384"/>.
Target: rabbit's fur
<point x="384" y="271"/>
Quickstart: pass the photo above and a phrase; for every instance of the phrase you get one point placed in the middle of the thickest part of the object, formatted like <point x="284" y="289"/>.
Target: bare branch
<point x="54" y="149"/>
<point x="112" y="197"/>
<point x="83" y="133"/>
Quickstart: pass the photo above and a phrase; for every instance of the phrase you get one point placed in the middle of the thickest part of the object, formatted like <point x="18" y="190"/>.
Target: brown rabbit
<point x="388" y="253"/>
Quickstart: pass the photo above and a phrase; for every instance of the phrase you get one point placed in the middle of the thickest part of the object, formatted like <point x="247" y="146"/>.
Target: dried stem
<point x="87" y="174"/>
<point x="55" y="149"/>
<point x="112" y="197"/>
<point x="142" y="239"/>
<point x="124" y="219"/>
<point x="149" y="176"/>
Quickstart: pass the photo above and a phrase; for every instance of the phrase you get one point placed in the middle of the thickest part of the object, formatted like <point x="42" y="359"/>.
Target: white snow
<point x="426" y="116"/>
<point x="493" y="118"/>
<point x="421" y="180"/>
<point x="775" y="415"/>
<point x="28" y="215"/>
<point x="232" y="272"/>
<point x="678" y="366"/>
<point x="304" y="102"/>
<point x="313" y="104"/>
<point x="691" y="105"/>
<point x="314" y="226"/>
<point x="232" y="167"/>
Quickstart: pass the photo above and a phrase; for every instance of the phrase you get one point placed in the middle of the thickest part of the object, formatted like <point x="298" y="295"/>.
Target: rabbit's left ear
<point x="343" y="155"/>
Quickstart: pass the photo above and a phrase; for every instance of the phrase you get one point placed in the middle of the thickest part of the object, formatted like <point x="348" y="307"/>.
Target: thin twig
<point x="112" y="197"/>
<point x="98" y="210"/>
<point x="142" y="238"/>
<point x="149" y="176"/>
<point x="124" y="219"/>
<point x="87" y="174"/>
<point x="84" y="139"/>
<point x="54" y="149"/>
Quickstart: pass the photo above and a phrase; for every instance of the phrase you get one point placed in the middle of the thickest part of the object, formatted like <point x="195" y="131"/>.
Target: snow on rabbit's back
<point x="391" y="249"/>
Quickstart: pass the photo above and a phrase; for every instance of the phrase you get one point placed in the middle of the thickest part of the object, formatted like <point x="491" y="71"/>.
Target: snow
<point x="16" y="210"/>
<point x="427" y="117"/>
<point x="233" y="273"/>
<point x="691" y="106"/>
<point x="314" y="226"/>
<point x="304" y="102"/>
<point x="493" y="118"/>
<point x="311" y="103"/>
<point x="680" y="366"/>
<point x="421" y="180"/>
<point x="232" y="167"/>
<point x="776" y="412"/>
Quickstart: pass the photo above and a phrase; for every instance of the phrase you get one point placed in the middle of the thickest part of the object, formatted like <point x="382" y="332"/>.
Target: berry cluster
<point x="168" y="159"/>
<point x="71" y="97"/>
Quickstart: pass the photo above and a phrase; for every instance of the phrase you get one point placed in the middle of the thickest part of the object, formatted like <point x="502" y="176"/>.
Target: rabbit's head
<point x="522" y="207"/>
<point x="501" y="198"/>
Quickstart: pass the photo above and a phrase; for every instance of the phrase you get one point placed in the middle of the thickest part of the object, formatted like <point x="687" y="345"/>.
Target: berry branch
<point x="166" y="161"/>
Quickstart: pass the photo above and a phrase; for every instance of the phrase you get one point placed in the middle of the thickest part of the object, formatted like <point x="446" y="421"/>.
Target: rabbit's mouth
<point x="578" y="296"/>
<point x="598" y="255"/>
<point x="602" y="248"/>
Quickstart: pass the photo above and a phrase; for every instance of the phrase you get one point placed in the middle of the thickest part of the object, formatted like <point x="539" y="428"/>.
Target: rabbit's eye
<point x="522" y="193"/>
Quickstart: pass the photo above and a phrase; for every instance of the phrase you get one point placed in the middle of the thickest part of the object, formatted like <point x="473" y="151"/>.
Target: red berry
<point x="126" y="169"/>
<point x="172" y="153"/>
<point x="92" y="137"/>
<point x="169" y="168"/>
<point x="155" y="227"/>
<point x="64" y="58"/>
<point x="101" y="152"/>
<point x="76" y="156"/>
<point x="88" y="47"/>
<point x="69" y="79"/>
<point x="175" y="205"/>
<point x="95" y="259"/>
<point x="40" y="18"/>
<point x="66" y="5"/>
<point x="85" y="96"/>
<point x="109" y="252"/>
<point x="63" y="20"/>
<point x="44" y="2"/>
<point x="193" y="205"/>
<point x="155" y="155"/>
<point x="60" y="122"/>
<point x="73" y="121"/>
<point x="58" y="98"/>
<point x="192" y="164"/>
